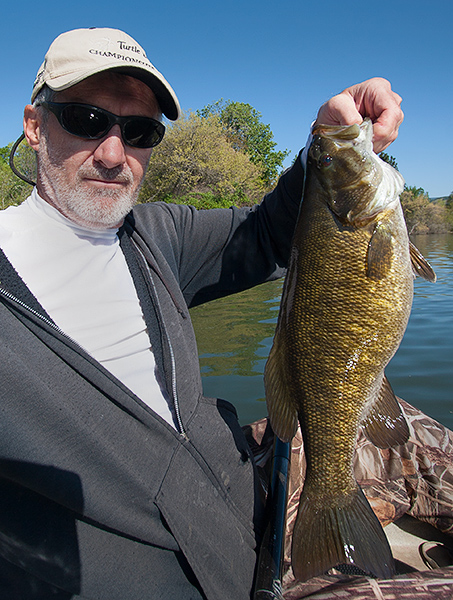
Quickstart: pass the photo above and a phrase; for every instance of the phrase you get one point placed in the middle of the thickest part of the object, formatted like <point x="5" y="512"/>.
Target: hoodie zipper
<point x="34" y="312"/>
<point x="55" y="327"/>
<point x="174" y="389"/>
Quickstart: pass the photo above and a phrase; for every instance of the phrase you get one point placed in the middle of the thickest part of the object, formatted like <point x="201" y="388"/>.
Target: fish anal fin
<point x="325" y="537"/>
<point x="281" y="406"/>
<point x="380" y="252"/>
<point x="420" y="266"/>
<point x="385" y="424"/>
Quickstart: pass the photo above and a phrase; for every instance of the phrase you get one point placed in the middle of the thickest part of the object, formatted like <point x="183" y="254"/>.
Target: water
<point x="421" y="371"/>
<point x="235" y="336"/>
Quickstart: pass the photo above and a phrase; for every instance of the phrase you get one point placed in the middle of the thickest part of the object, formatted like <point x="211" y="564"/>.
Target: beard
<point x="91" y="206"/>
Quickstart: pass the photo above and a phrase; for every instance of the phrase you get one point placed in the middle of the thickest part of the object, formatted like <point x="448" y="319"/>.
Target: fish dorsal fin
<point x="420" y="265"/>
<point x="385" y="425"/>
<point x="281" y="405"/>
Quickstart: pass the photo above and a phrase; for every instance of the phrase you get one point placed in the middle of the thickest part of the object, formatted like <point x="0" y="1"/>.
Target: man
<point x="118" y="479"/>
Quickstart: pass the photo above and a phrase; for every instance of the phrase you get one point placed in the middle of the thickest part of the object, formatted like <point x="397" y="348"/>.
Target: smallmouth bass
<point x="345" y="306"/>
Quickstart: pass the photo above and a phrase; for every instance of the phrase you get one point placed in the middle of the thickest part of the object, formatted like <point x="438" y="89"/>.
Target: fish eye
<point x="324" y="161"/>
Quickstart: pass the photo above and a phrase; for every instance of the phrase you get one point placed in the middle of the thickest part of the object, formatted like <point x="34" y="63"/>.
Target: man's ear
<point x="32" y="126"/>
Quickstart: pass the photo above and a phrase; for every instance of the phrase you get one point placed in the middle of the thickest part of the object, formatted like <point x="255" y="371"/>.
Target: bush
<point x="195" y="158"/>
<point x="423" y="216"/>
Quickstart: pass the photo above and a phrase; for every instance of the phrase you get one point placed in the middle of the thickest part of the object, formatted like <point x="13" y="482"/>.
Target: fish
<point x="345" y="305"/>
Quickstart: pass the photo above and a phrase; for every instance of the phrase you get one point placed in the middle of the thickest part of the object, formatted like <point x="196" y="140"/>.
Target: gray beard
<point x="85" y="205"/>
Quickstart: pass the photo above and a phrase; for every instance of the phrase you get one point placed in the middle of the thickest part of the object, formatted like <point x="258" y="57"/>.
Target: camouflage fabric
<point x="414" y="479"/>
<point x="420" y="585"/>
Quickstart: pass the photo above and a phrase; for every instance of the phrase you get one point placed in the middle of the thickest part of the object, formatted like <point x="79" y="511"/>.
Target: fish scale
<point x="345" y="306"/>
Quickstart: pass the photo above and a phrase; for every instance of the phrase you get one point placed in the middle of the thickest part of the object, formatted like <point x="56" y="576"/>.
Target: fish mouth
<point x="357" y="131"/>
<point x="361" y="185"/>
<point x="340" y="132"/>
<point x="358" y="136"/>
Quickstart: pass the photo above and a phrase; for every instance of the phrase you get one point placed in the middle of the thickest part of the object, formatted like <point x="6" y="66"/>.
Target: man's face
<point x="95" y="183"/>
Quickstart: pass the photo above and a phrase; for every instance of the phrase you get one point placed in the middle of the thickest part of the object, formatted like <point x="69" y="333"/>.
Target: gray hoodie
<point x="100" y="498"/>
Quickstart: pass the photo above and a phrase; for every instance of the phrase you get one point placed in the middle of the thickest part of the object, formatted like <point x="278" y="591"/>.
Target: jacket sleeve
<point x="217" y="252"/>
<point x="228" y="250"/>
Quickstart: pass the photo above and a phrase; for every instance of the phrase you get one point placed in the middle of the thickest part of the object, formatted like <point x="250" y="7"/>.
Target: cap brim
<point x="164" y="93"/>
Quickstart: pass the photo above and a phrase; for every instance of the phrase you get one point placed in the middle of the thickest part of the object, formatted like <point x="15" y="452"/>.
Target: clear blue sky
<point x="283" y="57"/>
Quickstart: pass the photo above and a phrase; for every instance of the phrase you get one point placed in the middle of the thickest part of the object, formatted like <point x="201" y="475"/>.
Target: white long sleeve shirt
<point x="81" y="278"/>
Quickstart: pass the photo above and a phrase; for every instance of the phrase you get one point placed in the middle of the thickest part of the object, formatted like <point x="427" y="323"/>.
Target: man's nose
<point x="111" y="152"/>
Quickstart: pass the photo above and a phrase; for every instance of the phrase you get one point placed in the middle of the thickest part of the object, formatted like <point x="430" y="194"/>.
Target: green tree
<point x="12" y="189"/>
<point x="391" y="160"/>
<point x="416" y="192"/>
<point x="449" y="208"/>
<point x="246" y="132"/>
<point x="195" y="159"/>
<point x="423" y="216"/>
<point x="4" y="153"/>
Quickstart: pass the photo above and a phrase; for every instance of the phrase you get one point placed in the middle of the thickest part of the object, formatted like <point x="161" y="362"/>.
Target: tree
<point x="416" y="192"/>
<point x="449" y="208"/>
<point x="12" y="189"/>
<point x="195" y="158"/>
<point x="246" y="132"/>
<point x="423" y="216"/>
<point x="391" y="160"/>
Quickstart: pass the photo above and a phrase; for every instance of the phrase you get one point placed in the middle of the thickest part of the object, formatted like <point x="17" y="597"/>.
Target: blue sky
<point x="283" y="57"/>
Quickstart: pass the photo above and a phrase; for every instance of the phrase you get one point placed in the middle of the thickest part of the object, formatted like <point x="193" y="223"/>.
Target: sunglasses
<point x="93" y="123"/>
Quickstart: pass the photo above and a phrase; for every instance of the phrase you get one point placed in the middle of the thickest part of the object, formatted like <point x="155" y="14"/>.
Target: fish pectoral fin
<point x="420" y="266"/>
<point x="326" y="537"/>
<point x="385" y="424"/>
<point x="280" y="402"/>
<point x="380" y="252"/>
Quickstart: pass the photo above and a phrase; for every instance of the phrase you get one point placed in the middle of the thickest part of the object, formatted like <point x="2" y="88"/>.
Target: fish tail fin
<point x="328" y="537"/>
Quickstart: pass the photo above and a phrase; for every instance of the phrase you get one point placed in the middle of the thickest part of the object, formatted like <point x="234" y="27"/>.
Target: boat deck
<point x="410" y="489"/>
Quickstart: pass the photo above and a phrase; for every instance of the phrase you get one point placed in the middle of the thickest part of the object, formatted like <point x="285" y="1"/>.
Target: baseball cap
<point x="75" y="55"/>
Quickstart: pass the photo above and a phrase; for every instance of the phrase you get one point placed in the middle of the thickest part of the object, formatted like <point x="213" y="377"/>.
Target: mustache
<point x="120" y="174"/>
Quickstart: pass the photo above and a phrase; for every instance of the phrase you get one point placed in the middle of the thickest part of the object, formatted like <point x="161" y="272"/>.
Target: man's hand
<point x="373" y="98"/>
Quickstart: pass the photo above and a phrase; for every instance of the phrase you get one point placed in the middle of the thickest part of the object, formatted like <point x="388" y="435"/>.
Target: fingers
<point x="385" y="129"/>
<point x="373" y="98"/>
<point x="339" y="110"/>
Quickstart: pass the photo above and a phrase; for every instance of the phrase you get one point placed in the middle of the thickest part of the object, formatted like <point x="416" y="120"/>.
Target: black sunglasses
<point x="92" y="123"/>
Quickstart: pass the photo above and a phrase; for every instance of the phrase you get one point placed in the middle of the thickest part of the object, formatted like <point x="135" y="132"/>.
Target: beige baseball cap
<point x="75" y="55"/>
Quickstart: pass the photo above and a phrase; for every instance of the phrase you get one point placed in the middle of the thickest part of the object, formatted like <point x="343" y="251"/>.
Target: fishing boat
<point x="410" y="489"/>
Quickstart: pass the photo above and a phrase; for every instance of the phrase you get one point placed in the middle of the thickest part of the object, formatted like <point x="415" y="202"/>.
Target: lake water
<point x="235" y="335"/>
